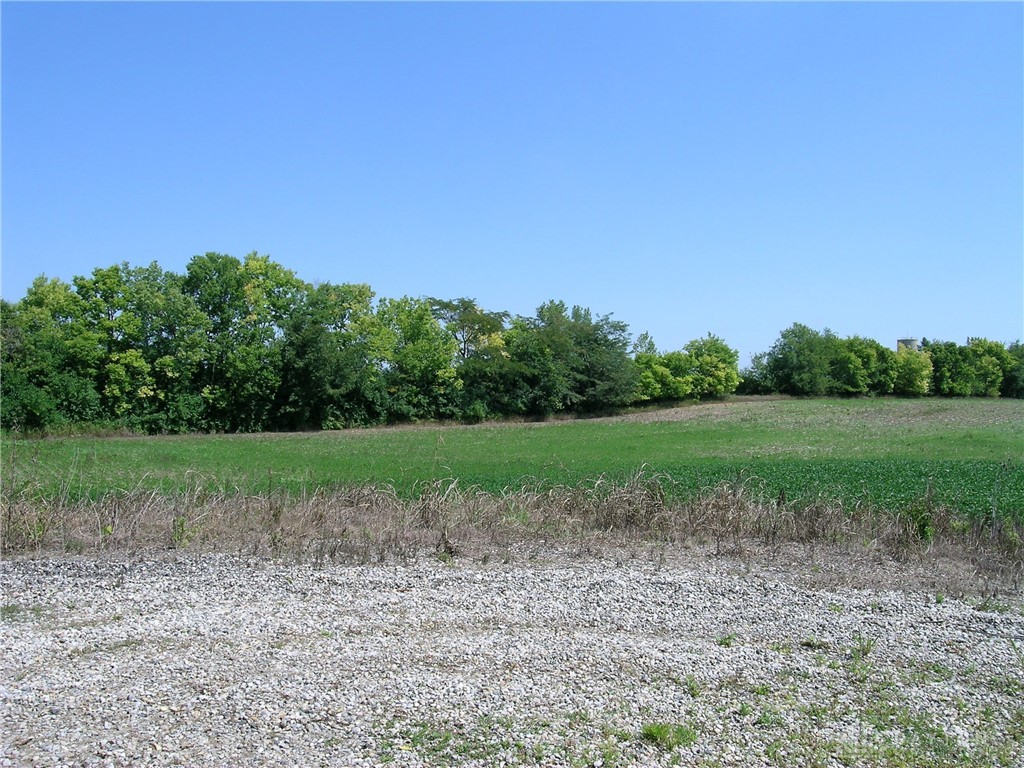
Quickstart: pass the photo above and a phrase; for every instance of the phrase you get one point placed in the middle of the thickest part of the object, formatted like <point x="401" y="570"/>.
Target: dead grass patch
<point x="376" y="524"/>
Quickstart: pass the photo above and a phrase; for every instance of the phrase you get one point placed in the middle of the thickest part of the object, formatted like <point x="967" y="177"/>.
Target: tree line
<point x="240" y="345"/>
<point x="244" y="345"/>
<point x="806" y="362"/>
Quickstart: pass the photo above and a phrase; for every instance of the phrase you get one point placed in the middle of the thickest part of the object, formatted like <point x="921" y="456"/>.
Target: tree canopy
<point x="244" y="345"/>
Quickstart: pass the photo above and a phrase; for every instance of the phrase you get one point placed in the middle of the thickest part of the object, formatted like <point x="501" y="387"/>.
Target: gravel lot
<point x="654" y="656"/>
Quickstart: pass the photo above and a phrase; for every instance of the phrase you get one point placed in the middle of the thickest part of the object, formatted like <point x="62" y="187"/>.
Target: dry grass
<point x="446" y="520"/>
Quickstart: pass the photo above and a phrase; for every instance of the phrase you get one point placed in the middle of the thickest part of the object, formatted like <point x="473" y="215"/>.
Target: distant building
<point x="914" y="344"/>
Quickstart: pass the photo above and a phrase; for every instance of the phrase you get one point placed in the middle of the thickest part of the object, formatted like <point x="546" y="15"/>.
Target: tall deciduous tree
<point x="470" y="326"/>
<point x="1013" y="380"/>
<point x="799" y="363"/>
<point x="50" y="359"/>
<point x="246" y="303"/>
<point x="606" y="375"/>
<point x="756" y="379"/>
<point x="704" y="368"/>
<point x="951" y="370"/>
<point x="913" y="372"/>
<point x="806" y="362"/>
<point x="714" y="367"/>
<point x="152" y="340"/>
<point x="877" y="362"/>
<point x="331" y="365"/>
<point x="418" y="362"/>
<point x="977" y="369"/>
<point x="992" y="362"/>
<point x="569" y="361"/>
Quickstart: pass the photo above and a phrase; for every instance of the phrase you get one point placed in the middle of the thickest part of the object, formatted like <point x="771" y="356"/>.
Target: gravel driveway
<point x="667" y="657"/>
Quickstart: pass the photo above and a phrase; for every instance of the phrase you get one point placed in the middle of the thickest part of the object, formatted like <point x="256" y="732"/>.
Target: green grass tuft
<point x="669" y="736"/>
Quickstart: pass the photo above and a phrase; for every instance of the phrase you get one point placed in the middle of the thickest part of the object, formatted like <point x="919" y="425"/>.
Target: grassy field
<point x="967" y="455"/>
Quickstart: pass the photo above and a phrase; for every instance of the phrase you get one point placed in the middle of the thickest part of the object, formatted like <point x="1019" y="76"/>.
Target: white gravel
<point x="214" y="660"/>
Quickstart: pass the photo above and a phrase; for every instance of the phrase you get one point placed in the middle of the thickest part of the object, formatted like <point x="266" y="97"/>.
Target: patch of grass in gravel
<point x="869" y="717"/>
<point x="861" y="647"/>
<point x="13" y="612"/>
<point x="669" y="736"/>
<point x="991" y="605"/>
<point x="726" y="641"/>
<point x="910" y="737"/>
<point x="501" y="739"/>
<point x="579" y="741"/>
<point x="890" y="733"/>
<point x="607" y="753"/>
<point x="1007" y="684"/>
<point x="931" y="672"/>
<point x="692" y="686"/>
<point x="813" y="643"/>
<point x="770" y="718"/>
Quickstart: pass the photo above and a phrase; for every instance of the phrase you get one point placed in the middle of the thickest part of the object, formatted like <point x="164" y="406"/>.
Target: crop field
<point x="965" y="455"/>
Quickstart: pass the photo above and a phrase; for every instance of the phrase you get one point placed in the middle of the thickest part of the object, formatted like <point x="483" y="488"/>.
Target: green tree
<point x="605" y="375"/>
<point x="418" y="362"/>
<point x="704" y="368"/>
<point x="538" y="378"/>
<point x="331" y="369"/>
<point x="246" y="303"/>
<point x="755" y="379"/>
<point x="714" y="367"/>
<point x="847" y="375"/>
<point x="580" y="362"/>
<point x="877" y="362"/>
<point x="25" y="402"/>
<point x="644" y="345"/>
<point x="991" y="362"/>
<point x="151" y="338"/>
<point x="558" y="361"/>
<point x="49" y="360"/>
<point x="495" y="384"/>
<point x="470" y="326"/>
<point x="1013" y="379"/>
<point x="800" y="362"/>
<point x="806" y="362"/>
<point x="913" y="372"/>
<point x="173" y="333"/>
<point x="663" y="378"/>
<point x="124" y="376"/>
<point x="952" y="372"/>
<point x="977" y="369"/>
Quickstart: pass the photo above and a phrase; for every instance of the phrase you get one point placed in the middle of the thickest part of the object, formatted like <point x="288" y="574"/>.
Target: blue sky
<point x="690" y="168"/>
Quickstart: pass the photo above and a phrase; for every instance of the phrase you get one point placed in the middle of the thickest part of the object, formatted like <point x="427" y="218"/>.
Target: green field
<point x="967" y="454"/>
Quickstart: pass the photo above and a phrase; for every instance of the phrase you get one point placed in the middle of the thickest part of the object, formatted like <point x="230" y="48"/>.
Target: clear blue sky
<point x="731" y="168"/>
